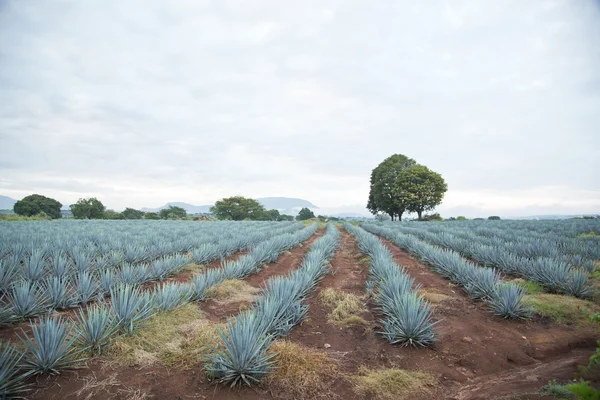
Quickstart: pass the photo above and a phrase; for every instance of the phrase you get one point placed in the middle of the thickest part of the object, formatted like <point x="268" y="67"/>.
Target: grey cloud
<point x="141" y="102"/>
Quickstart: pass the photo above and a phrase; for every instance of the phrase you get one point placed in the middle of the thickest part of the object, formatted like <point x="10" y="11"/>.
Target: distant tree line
<point x="240" y="208"/>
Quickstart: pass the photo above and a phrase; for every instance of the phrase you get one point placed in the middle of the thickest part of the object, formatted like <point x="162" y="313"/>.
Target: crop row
<point x="56" y="343"/>
<point x="241" y="355"/>
<point x="480" y="283"/>
<point x="555" y="274"/>
<point x="38" y="284"/>
<point x="406" y="315"/>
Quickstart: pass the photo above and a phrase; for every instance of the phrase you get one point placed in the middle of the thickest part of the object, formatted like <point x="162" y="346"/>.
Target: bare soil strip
<point x="217" y="311"/>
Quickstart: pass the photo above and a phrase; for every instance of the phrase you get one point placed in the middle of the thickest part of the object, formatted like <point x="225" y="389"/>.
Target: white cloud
<point x="140" y="103"/>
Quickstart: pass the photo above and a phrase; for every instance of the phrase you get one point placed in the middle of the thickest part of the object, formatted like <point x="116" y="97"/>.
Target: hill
<point x="7" y="203"/>
<point x="285" y="205"/>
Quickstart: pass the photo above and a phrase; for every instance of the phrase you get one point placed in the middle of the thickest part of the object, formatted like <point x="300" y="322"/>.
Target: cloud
<point x="140" y="103"/>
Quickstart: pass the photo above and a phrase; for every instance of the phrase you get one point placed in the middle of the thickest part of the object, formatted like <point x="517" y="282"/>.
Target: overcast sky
<point x="143" y="102"/>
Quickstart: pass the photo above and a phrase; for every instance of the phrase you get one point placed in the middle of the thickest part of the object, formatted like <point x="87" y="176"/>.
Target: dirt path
<point x="219" y="311"/>
<point x="476" y="346"/>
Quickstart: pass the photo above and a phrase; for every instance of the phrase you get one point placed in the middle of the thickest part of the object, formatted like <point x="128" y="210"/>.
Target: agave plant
<point x="11" y="377"/>
<point x="576" y="284"/>
<point x="35" y="266"/>
<point x="133" y="274"/>
<point x="507" y="301"/>
<point x="95" y="327"/>
<point x="108" y="280"/>
<point x="205" y="253"/>
<point x="59" y="293"/>
<point x="240" y="356"/>
<point x="7" y="316"/>
<point x="8" y="273"/>
<point x="130" y="306"/>
<point x="483" y="283"/>
<point x="203" y="281"/>
<point x="171" y="295"/>
<point x="86" y="287"/>
<point x="408" y="321"/>
<point x="50" y="348"/>
<point x="26" y="299"/>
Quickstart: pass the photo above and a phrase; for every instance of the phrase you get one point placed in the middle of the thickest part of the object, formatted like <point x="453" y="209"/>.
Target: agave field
<point x="460" y="309"/>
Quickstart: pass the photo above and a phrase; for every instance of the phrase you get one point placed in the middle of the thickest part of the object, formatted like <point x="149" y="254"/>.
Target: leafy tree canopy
<point x="383" y="178"/>
<point x="131" y="213"/>
<point x="238" y="208"/>
<point x="494" y="217"/>
<point x="172" y="212"/>
<point x="151" y="215"/>
<point x="285" y="217"/>
<point x="112" y="214"/>
<point x="91" y="208"/>
<point x="305" y="214"/>
<point x="35" y="204"/>
<point x="419" y="189"/>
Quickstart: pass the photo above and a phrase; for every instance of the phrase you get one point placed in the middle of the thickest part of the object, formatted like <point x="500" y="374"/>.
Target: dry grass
<point x="302" y="372"/>
<point x="345" y="307"/>
<point x="193" y="268"/>
<point x="178" y="337"/>
<point x="391" y="383"/>
<point x="434" y="296"/>
<point x="232" y="291"/>
<point x="562" y="309"/>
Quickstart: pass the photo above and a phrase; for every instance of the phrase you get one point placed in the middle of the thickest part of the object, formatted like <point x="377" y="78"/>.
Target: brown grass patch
<point x="391" y="383"/>
<point x="232" y="291"/>
<point x="178" y="337"/>
<point x="345" y="307"/>
<point x="434" y="296"/>
<point x="302" y="372"/>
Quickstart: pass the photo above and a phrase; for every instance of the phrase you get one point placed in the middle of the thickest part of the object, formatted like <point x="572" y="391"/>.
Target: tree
<point x="285" y="217"/>
<point x="172" y="212"/>
<point x="419" y="189"/>
<point x="383" y="178"/>
<point x="112" y="214"/>
<point x="238" y="208"/>
<point x="461" y="218"/>
<point x="131" y="213"/>
<point x="151" y="215"/>
<point x="305" y="214"/>
<point x="91" y="208"/>
<point x="494" y="218"/>
<point x="272" y="215"/>
<point x="35" y="204"/>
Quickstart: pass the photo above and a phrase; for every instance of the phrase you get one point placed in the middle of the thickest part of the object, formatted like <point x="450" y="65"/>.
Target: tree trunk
<point x="392" y="215"/>
<point x="419" y="212"/>
<point x="400" y="216"/>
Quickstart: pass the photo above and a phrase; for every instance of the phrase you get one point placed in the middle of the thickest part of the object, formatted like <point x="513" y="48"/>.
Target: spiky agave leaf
<point x="240" y="356"/>
<point x="95" y="326"/>
<point x="51" y="346"/>
<point x="507" y="301"/>
<point x="35" y="266"/>
<point x="86" y="287"/>
<point x="59" y="293"/>
<point x="171" y="295"/>
<point x="130" y="306"/>
<point x="408" y="321"/>
<point x="26" y="299"/>
<point x="483" y="283"/>
<point x="203" y="281"/>
<point x="8" y="274"/>
<point x="7" y="316"/>
<point x="11" y="376"/>
<point x="108" y="280"/>
<point x="576" y="283"/>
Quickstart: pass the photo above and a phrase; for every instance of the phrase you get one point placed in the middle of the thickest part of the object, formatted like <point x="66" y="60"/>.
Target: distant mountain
<point x="189" y="208"/>
<point x="285" y="205"/>
<point x="7" y="203"/>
